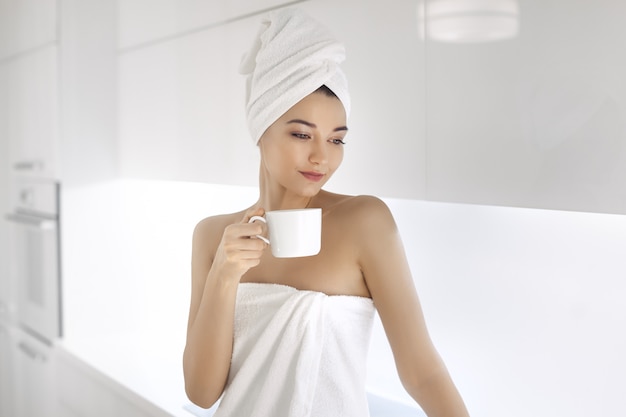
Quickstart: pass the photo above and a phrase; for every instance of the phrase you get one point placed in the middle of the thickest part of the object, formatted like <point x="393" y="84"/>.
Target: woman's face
<point x="304" y="147"/>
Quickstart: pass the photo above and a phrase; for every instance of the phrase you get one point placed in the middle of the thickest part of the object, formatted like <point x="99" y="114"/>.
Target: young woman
<point x="289" y="336"/>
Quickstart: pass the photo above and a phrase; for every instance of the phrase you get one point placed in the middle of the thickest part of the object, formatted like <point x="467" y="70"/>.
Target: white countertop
<point x="147" y="365"/>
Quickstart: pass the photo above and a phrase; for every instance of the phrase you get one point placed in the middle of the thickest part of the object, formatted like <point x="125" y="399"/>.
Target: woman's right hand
<point x="217" y="267"/>
<point x="239" y="250"/>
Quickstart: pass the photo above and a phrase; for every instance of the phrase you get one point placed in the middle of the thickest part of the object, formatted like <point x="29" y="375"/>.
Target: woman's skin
<point x="362" y="255"/>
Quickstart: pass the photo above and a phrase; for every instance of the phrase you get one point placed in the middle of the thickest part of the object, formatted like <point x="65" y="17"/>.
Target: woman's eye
<point x="301" y="135"/>
<point x="338" y="141"/>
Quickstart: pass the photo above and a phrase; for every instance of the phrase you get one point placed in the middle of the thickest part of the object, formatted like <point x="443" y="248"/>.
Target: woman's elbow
<point x="201" y="399"/>
<point x="411" y="384"/>
<point x="201" y="389"/>
<point x="202" y="393"/>
<point x="435" y="393"/>
<point x="417" y="380"/>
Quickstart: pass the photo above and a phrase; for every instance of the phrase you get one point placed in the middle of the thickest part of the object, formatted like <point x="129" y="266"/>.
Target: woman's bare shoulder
<point x="358" y="207"/>
<point x="212" y="227"/>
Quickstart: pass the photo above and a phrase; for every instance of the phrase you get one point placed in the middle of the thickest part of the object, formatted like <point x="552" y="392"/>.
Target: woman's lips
<point x="312" y="176"/>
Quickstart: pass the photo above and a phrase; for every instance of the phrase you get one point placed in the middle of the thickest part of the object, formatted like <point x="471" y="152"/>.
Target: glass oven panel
<point x="37" y="274"/>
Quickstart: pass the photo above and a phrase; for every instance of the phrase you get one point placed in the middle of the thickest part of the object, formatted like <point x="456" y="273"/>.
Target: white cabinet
<point x="147" y="21"/>
<point x="5" y="287"/>
<point x="7" y="394"/>
<point x="6" y="290"/>
<point x="534" y="121"/>
<point x="58" y="105"/>
<point x="87" y="91"/>
<point x="182" y="113"/>
<point x="7" y="294"/>
<point x="79" y="393"/>
<point x="31" y="111"/>
<point x="82" y="391"/>
<point x="26" y="25"/>
<point x="26" y="377"/>
<point x="33" y="377"/>
<point x="386" y="148"/>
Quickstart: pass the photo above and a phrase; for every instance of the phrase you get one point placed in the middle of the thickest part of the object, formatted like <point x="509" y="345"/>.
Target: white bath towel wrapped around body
<point x="297" y="353"/>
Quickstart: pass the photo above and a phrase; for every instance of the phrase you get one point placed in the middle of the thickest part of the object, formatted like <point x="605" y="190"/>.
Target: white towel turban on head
<point x="292" y="56"/>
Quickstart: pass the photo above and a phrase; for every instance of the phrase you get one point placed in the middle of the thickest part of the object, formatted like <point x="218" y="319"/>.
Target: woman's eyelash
<point x="301" y="135"/>
<point x="307" y="136"/>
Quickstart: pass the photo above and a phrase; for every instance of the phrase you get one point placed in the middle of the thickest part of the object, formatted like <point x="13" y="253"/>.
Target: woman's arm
<point x="388" y="277"/>
<point x="216" y="271"/>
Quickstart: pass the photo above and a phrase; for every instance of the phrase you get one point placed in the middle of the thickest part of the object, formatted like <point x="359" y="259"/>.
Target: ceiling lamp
<point x="468" y="21"/>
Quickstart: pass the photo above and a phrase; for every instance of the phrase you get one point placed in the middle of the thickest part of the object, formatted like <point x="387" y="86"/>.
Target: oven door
<point x="36" y="273"/>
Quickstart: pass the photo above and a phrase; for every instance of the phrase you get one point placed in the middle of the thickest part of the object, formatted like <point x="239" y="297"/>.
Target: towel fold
<point x="297" y="353"/>
<point x="292" y="56"/>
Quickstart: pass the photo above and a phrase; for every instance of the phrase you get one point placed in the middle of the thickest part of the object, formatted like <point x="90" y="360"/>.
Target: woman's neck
<point x="282" y="200"/>
<point x="273" y="196"/>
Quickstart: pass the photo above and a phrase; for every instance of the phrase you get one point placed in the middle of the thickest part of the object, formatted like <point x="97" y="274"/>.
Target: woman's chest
<point x="335" y="270"/>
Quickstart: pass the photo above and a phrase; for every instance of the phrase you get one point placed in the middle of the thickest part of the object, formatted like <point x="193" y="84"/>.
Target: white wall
<point x="525" y="306"/>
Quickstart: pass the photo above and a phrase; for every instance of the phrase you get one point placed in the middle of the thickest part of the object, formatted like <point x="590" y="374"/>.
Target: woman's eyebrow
<point x="303" y="122"/>
<point x="313" y="125"/>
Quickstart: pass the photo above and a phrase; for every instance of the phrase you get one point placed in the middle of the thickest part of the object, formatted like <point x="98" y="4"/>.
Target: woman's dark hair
<point x="326" y="91"/>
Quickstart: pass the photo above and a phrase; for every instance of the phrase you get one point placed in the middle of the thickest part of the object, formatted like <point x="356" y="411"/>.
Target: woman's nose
<point x="319" y="153"/>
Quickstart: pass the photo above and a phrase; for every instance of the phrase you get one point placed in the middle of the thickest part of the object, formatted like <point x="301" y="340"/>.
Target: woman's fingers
<point x="239" y="249"/>
<point x="241" y="237"/>
<point x="255" y="211"/>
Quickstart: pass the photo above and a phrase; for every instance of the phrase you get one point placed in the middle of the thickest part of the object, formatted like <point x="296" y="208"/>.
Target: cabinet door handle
<point x="43" y="224"/>
<point x="34" y="165"/>
<point x="31" y="352"/>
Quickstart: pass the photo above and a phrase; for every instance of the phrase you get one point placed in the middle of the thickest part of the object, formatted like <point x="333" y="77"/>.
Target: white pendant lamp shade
<point x="468" y="21"/>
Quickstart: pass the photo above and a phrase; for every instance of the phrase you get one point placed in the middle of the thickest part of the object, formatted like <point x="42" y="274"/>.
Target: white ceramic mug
<point x="293" y="233"/>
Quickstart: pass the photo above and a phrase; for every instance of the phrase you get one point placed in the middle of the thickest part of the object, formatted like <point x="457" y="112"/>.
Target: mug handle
<point x="263" y="238"/>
